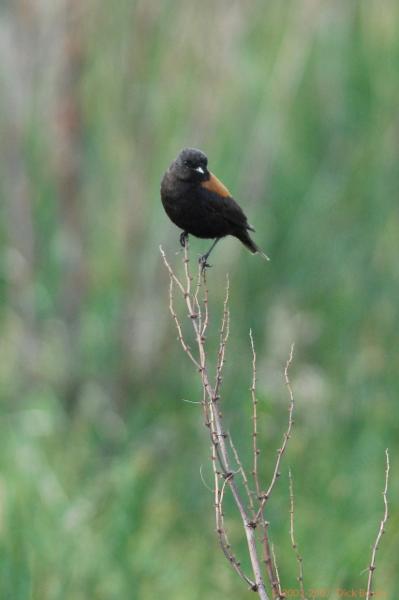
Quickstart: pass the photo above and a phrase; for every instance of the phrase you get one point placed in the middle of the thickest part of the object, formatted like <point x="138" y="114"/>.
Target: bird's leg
<point x="183" y="238"/>
<point x="203" y="259"/>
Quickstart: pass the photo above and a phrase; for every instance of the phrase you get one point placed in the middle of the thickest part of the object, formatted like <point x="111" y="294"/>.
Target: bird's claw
<point x="203" y="262"/>
<point x="183" y="239"/>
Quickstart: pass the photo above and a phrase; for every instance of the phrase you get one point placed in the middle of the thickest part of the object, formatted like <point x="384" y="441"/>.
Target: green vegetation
<point x="296" y="105"/>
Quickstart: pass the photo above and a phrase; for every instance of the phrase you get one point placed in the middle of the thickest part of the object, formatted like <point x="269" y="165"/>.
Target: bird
<point x="201" y="205"/>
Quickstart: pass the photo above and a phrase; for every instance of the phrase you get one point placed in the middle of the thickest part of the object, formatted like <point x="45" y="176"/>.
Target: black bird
<point x="197" y="202"/>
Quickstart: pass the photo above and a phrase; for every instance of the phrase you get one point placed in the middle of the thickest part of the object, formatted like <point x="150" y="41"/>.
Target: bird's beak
<point x="200" y="170"/>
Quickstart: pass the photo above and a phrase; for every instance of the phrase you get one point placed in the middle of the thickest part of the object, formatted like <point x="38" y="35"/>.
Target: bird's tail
<point x="250" y="244"/>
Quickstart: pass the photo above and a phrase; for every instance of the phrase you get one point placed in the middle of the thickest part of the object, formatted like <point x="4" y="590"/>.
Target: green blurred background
<point x="296" y="105"/>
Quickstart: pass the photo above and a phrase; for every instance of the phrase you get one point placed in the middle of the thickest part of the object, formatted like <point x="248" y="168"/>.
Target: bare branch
<point x="204" y="325"/>
<point x="185" y="347"/>
<point x="372" y="567"/>
<point x="250" y="504"/>
<point x="255" y="449"/>
<point x="293" y="541"/>
<point x="267" y="558"/>
<point x="197" y="291"/>
<point x="219" y="496"/>
<point x="225" y="544"/>
<point x="210" y="410"/>
<point x="187" y="269"/>
<point x="213" y="418"/>
<point x="224" y="335"/>
<point x="286" y="437"/>
<point x="243" y="475"/>
<point x="204" y="482"/>
<point x="171" y="273"/>
<point x="277" y="584"/>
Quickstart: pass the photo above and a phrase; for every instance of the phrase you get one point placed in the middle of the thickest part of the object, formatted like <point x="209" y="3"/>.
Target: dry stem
<point x="259" y="517"/>
<point x="381" y="531"/>
<point x="213" y="417"/>
<point x="293" y="541"/>
<point x="286" y="437"/>
<point x="225" y="478"/>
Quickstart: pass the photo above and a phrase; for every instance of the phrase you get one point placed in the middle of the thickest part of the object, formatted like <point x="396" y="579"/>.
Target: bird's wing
<point x="224" y="206"/>
<point x="213" y="184"/>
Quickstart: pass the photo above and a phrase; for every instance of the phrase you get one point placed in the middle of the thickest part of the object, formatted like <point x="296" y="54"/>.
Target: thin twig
<point x="255" y="449"/>
<point x="255" y="473"/>
<point x="381" y="530"/>
<point x="204" y="326"/>
<point x="197" y="303"/>
<point x="171" y="273"/>
<point x="277" y="583"/>
<point x="187" y="269"/>
<point x="224" y="335"/>
<point x="243" y="475"/>
<point x="219" y="496"/>
<point x="226" y="544"/>
<point x="286" y="437"/>
<point x="293" y="541"/>
<point x="186" y="348"/>
<point x="204" y="482"/>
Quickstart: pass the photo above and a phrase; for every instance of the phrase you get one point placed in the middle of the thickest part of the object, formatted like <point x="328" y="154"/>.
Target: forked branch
<point x="250" y="504"/>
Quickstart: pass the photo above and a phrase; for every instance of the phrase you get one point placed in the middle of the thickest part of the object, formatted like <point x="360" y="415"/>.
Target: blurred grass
<point x="295" y="104"/>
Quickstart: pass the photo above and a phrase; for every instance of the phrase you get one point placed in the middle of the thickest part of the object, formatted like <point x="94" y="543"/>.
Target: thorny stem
<point x="256" y="451"/>
<point x="243" y="475"/>
<point x="292" y="536"/>
<point x="277" y="583"/>
<point x="286" y="437"/>
<point x="178" y="326"/>
<point x="381" y="531"/>
<point x="224" y="335"/>
<point x="267" y="559"/>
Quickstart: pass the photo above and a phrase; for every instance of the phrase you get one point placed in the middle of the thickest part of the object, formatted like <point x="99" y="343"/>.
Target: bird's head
<point x="191" y="165"/>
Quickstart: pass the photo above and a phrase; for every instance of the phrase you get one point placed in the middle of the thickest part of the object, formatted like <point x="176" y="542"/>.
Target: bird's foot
<point x="183" y="239"/>
<point x="203" y="261"/>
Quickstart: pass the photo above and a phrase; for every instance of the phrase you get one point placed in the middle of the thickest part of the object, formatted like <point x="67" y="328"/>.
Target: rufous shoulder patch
<point x="213" y="184"/>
